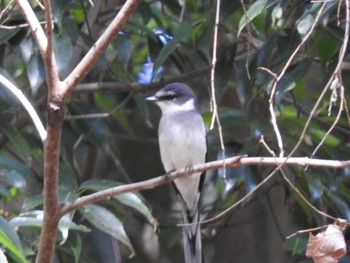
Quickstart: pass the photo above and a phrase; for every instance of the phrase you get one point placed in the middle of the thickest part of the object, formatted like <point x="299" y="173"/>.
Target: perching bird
<point x="182" y="142"/>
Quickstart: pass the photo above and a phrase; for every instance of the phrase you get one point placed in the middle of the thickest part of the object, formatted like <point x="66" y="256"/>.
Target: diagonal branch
<point x="34" y="25"/>
<point x="233" y="162"/>
<point x="98" y="48"/>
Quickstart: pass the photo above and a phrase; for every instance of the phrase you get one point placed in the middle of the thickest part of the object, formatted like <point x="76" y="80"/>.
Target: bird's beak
<point x="151" y="98"/>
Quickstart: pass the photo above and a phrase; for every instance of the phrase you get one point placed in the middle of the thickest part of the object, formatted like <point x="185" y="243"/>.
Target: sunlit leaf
<point x="35" y="219"/>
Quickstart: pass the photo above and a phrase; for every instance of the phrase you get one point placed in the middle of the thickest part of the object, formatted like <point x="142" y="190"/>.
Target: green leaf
<point x="293" y="75"/>
<point x="14" y="178"/>
<point x="6" y="34"/>
<point x="254" y="10"/>
<point x="76" y="247"/>
<point x="14" y="252"/>
<point x="10" y="233"/>
<point x="128" y="199"/>
<point x="318" y="135"/>
<point x="182" y="33"/>
<point x="15" y="165"/>
<point x="18" y="141"/>
<point x="36" y="72"/>
<point x="35" y="219"/>
<point x="63" y="49"/>
<point x="67" y="224"/>
<point x="10" y="240"/>
<point x="32" y="202"/>
<point x="224" y="69"/>
<point x="106" y="222"/>
<point x="296" y="245"/>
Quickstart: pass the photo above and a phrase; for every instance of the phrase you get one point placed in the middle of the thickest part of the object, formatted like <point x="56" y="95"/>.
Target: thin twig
<point x="295" y="189"/>
<point x="335" y="72"/>
<point x="100" y="115"/>
<point x="100" y="45"/>
<point x="27" y="105"/>
<point x="214" y="106"/>
<point x="137" y="87"/>
<point x="283" y="71"/>
<point x="306" y="231"/>
<point x="19" y="26"/>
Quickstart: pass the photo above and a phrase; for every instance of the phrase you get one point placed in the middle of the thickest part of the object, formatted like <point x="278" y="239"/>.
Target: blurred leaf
<point x="142" y="106"/>
<point x="128" y="199"/>
<point x="14" y="178"/>
<point x="68" y="178"/>
<point x="326" y="45"/>
<point x="182" y="33"/>
<point x="32" y="202"/>
<point x="36" y="72"/>
<point x="18" y="141"/>
<point x="253" y="11"/>
<point x="10" y="233"/>
<point x="10" y="240"/>
<point x="16" y="165"/>
<point x="317" y="135"/>
<point x="107" y="222"/>
<point x="6" y="34"/>
<point x="4" y="193"/>
<point x="293" y="75"/>
<point x="76" y="247"/>
<point x="63" y="49"/>
<point x="224" y="70"/>
<point x="58" y="7"/>
<point x="35" y="219"/>
<point x="305" y="24"/>
<point x="296" y="245"/>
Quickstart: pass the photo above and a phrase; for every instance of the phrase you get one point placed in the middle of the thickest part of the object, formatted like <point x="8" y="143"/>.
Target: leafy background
<point x="110" y="132"/>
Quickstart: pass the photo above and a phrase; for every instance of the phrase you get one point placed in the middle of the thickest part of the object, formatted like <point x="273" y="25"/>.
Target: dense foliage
<point x="110" y="132"/>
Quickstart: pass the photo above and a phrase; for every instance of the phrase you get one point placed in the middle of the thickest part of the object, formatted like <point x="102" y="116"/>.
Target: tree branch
<point x="99" y="47"/>
<point x="228" y="162"/>
<point x="137" y="87"/>
<point x="34" y="25"/>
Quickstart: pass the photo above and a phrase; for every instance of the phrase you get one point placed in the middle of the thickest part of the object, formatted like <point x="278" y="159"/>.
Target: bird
<point x="182" y="143"/>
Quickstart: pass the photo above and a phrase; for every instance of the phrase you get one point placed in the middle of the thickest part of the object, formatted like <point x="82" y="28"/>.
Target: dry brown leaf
<point x="327" y="246"/>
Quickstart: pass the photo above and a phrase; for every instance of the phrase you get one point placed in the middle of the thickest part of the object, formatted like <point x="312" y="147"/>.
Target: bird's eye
<point x="168" y="97"/>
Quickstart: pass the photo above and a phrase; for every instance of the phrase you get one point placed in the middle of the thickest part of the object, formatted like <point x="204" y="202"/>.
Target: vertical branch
<point x="214" y="107"/>
<point x="51" y="147"/>
<point x="55" y="99"/>
<point x="51" y="203"/>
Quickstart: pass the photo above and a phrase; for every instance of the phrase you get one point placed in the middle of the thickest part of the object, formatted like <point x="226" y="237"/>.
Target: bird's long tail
<point x="192" y="238"/>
